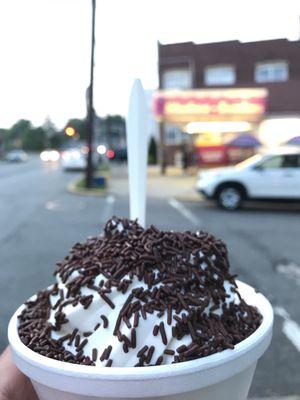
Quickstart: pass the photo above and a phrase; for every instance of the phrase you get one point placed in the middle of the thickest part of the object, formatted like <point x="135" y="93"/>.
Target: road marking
<point x="185" y="212"/>
<point x="290" y="328"/>
<point x="290" y="269"/>
<point x="110" y="199"/>
<point x="276" y="398"/>
<point x="51" y="205"/>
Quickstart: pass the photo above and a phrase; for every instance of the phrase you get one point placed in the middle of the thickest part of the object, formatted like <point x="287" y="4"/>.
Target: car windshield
<point x="250" y="161"/>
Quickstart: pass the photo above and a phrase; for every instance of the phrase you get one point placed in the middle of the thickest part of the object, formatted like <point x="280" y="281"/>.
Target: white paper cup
<point x="225" y="375"/>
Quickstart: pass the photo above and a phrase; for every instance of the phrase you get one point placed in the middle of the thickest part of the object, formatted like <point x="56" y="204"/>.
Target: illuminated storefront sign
<point x="210" y="105"/>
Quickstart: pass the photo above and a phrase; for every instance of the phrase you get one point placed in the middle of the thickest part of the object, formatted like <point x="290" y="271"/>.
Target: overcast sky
<point x="45" y="47"/>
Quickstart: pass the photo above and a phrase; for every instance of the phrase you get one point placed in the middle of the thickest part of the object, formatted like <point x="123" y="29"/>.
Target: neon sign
<point x="213" y="104"/>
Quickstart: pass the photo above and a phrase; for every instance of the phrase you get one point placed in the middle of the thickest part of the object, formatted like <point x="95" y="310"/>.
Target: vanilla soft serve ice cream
<point x="139" y="297"/>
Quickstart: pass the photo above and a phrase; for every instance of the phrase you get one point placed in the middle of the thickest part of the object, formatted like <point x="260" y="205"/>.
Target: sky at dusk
<point x="45" y="47"/>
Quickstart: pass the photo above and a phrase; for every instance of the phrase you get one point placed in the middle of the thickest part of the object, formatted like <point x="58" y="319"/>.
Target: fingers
<point x="13" y="384"/>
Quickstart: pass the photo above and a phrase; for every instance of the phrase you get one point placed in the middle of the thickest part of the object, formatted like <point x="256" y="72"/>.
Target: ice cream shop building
<point x="223" y="100"/>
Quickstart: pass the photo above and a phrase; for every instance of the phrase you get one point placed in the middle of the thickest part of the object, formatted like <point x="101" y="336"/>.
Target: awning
<point x="295" y="141"/>
<point x="245" y="140"/>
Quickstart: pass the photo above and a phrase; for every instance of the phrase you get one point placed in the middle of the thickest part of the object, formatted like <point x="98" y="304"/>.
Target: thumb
<point x="13" y="384"/>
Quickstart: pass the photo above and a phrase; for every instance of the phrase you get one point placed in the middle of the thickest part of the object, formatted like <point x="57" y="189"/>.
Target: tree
<point x="152" y="152"/>
<point x="49" y="127"/>
<point x="34" y="139"/>
<point x="115" y="131"/>
<point x="13" y="136"/>
<point x="2" y="137"/>
<point x="117" y="119"/>
<point x="57" y="140"/>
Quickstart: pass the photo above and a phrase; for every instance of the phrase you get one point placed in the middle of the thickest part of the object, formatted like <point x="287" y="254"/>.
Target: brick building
<point x="273" y="65"/>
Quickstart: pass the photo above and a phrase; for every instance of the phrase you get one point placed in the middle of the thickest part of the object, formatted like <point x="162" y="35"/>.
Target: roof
<point x="232" y="42"/>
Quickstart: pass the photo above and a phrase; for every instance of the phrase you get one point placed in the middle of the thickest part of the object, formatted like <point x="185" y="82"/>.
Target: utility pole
<point x="90" y="111"/>
<point x="161" y="124"/>
<point x="162" y="149"/>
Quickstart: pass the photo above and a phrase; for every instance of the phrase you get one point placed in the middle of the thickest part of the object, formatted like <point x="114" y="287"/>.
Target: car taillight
<point x="65" y="155"/>
<point x="110" y="153"/>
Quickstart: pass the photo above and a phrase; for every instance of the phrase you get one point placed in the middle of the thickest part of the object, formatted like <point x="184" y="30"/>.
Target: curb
<point x="71" y="188"/>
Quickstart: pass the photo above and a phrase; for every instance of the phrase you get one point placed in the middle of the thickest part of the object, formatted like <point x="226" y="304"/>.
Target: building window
<point x="219" y="75"/>
<point x="273" y="71"/>
<point x="177" y="79"/>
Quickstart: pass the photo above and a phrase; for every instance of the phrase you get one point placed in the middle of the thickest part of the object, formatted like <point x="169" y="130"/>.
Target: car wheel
<point x="230" y="198"/>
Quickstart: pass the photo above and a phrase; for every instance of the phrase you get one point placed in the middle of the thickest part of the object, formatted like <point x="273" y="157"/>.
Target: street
<point x="40" y="221"/>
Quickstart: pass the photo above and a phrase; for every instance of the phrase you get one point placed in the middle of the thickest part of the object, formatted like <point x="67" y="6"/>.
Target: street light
<point x="70" y="131"/>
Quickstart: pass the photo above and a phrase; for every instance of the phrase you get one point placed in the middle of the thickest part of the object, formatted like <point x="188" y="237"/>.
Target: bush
<point x="152" y="152"/>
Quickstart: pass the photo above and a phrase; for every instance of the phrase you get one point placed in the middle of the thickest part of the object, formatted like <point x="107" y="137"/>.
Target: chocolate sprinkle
<point x="97" y="326"/>
<point x="142" y="351"/>
<point x="182" y="276"/>
<point x="109" y="363"/>
<point x="159" y="360"/>
<point x="109" y="349"/>
<point x="105" y="321"/>
<point x="169" y="314"/>
<point x="77" y="340"/>
<point x="155" y="330"/>
<point x="163" y="333"/>
<point x="82" y="344"/>
<point x="94" y="355"/>
<point x="133" y="338"/>
<point x="149" y="355"/>
<point x="136" y="319"/>
<point x="103" y="355"/>
<point x="169" y="352"/>
<point x="107" y="299"/>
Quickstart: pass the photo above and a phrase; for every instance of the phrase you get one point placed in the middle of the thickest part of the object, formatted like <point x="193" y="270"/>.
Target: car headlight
<point x="201" y="174"/>
<point x="44" y="156"/>
<point x="209" y="174"/>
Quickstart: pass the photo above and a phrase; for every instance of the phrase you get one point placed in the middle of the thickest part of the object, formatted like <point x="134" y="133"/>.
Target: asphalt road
<point x="40" y="220"/>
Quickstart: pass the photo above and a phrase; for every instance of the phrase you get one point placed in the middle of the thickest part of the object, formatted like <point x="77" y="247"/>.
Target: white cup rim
<point x="155" y="372"/>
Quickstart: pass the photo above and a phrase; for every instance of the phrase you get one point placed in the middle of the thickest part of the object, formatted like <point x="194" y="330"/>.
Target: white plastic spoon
<point x="137" y="140"/>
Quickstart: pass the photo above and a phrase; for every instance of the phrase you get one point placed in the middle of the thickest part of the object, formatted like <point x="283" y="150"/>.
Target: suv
<point x="274" y="174"/>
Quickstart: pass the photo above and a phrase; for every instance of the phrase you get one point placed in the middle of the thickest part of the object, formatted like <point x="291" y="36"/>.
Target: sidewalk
<point x="276" y="398"/>
<point x="173" y="184"/>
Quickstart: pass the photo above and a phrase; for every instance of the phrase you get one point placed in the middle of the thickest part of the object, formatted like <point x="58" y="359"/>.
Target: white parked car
<point x="73" y="159"/>
<point x="274" y="174"/>
<point x="16" y="156"/>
